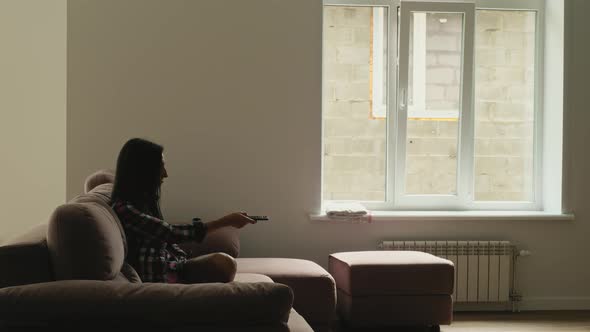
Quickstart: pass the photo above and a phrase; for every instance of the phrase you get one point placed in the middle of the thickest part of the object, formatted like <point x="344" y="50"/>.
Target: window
<point x="433" y="105"/>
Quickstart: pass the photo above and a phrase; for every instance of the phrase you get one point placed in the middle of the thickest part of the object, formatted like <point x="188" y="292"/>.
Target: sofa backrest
<point x="24" y="258"/>
<point x="85" y="238"/>
<point x="97" y="178"/>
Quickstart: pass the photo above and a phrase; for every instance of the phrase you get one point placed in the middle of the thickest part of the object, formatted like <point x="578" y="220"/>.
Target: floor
<point x="539" y="321"/>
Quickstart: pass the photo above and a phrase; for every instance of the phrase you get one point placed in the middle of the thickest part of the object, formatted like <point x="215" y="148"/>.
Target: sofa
<point x="71" y="272"/>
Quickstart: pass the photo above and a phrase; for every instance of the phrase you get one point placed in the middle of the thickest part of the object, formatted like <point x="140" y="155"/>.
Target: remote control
<point x="258" y="217"/>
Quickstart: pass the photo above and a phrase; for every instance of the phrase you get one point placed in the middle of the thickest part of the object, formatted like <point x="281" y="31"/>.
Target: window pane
<point x="434" y="105"/>
<point x="504" y="105"/>
<point x="355" y="95"/>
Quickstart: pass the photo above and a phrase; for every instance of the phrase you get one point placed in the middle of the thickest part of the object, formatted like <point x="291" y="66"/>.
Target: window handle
<point x="403" y="98"/>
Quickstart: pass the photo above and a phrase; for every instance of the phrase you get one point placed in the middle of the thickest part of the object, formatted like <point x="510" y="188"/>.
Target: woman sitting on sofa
<point x="152" y="248"/>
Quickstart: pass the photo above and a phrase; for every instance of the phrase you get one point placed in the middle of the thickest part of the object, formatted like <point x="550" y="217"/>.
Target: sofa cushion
<point x="85" y="242"/>
<point x="100" y="193"/>
<point x="129" y="273"/>
<point x="387" y="272"/>
<point x="313" y="286"/>
<point x="157" y="303"/>
<point x="97" y="178"/>
<point x="251" y="277"/>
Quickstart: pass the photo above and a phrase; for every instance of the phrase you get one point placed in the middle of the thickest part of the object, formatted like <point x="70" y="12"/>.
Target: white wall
<point x="232" y="89"/>
<point x="32" y="111"/>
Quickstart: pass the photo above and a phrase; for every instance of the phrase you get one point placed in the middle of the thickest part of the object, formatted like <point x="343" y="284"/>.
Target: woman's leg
<point x="216" y="267"/>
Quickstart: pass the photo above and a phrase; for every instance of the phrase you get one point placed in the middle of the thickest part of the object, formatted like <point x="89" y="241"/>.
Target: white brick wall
<point x="443" y="65"/>
<point x="354" y="143"/>
<point x="504" y="105"/>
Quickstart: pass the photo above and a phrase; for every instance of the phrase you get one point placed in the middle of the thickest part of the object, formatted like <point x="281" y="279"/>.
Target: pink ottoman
<point x="388" y="288"/>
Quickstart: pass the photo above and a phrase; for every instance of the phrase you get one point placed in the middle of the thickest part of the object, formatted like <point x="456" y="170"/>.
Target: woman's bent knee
<point x="225" y="266"/>
<point x="216" y="267"/>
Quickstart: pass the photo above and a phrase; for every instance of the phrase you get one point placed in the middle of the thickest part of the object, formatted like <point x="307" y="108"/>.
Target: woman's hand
<point x="236" y="219"/>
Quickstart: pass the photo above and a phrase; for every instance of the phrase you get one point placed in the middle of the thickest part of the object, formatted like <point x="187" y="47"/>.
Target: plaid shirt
<point x="152" y="248"/>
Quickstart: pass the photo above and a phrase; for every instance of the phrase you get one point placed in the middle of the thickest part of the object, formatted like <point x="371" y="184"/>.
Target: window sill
<point x="456" y="216"/>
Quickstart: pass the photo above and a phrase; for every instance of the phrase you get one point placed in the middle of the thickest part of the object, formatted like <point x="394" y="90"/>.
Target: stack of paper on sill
<point x="347" y="211"/>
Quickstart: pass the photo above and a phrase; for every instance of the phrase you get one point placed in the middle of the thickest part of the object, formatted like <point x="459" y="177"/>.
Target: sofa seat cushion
<point x="386" y="272"/>
<point x="92" y="300"/>
<point x="313" y="287"/>
<point x="252" y="277"/>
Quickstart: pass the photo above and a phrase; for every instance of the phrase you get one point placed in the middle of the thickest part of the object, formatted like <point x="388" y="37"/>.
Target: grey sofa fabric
<point x="157" y="303"/>
<point x="97" y="178"/>
<point x="24" y="259"/>
<point x="84" y="242"/>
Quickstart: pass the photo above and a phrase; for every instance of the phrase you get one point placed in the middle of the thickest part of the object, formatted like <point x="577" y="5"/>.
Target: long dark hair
<point x="137" y="180"/>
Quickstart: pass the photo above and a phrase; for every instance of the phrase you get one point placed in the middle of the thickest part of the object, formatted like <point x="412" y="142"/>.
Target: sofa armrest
<point x="152" y="303"/>
<point x="226" y="240"/>
<point x="25" y="259"/>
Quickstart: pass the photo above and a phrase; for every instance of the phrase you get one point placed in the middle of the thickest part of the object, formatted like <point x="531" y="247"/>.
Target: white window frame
<point x="392" y="37"/>
<point x="436" y="202"/>
<point x="537" y="203"/>
<point x="379" y="110"/>
<point x="397" y="111"/>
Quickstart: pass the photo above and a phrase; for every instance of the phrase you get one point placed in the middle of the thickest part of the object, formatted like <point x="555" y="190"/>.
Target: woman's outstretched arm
<point x="156" y="229"/>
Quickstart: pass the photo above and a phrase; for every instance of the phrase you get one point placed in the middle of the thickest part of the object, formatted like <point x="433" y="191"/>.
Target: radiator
<point x="483" y="269"/>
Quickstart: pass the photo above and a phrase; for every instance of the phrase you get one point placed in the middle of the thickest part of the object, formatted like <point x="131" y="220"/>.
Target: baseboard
<point x="530" y="304"/>
<point x="462" y="307"/>
<point x="555" y="303"/>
